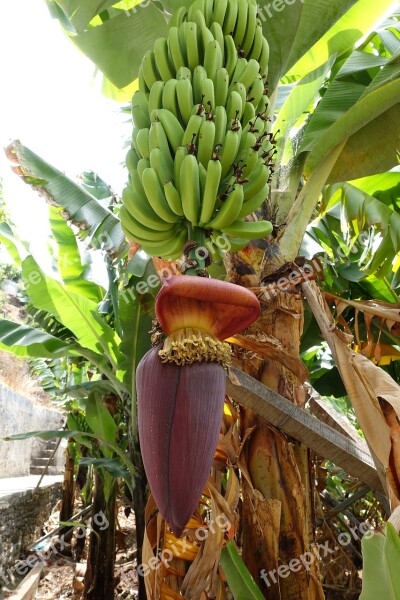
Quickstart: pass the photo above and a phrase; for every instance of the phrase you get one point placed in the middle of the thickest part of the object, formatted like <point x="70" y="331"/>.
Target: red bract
<point x="179" y="412"/>
<point x="217" y="307"/>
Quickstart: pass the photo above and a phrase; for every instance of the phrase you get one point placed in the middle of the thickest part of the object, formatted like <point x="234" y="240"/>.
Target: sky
<point x="51" y="101"/>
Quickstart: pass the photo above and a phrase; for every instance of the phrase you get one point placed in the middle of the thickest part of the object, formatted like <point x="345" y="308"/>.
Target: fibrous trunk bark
<point x="99" y="577"/>
<point x="68" y="488"/>
<point x="277" y="508"/>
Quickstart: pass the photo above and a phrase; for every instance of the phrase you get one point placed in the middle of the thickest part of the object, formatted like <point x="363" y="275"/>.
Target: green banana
<point x="202" y="179"/>
<point x="249" y="113"/>
<point x="199" y="74"/>
<point x="171" y="125"/>
<point x="264" y="57"/>
<point x="179" y="156"/>
<point x="247" y="142"/>
<point x="229" y="151"/>
<point x="182" y="30"/>
<point x="221" y="85"/>
<point x="171" y="250"/>
<point x="193" y="57"/>
<point x="249" y="230"/>
<point x="197" y="17"/>
<point x="155" y="96"/>
<point x="184" y="94"/>
<point x="174" y="48"/>
<point x="263" y="106"/>
<point x="189" y="187"/>
<point x="210" y="194"/>
<point x="241" y="22"/>
<point x="220" y="8"/>
<point x="231" y="17"/>
<point x="192" y="130"/>
<point x="150" y="71"/>
<point x="205" y="145"/>
<point x="155" y="195"/>
<point x="212" y="58"/>
<point x="257" y="180"/>
<point x="173" y="198"/>
<point x="249" y="74"/>
<point x="231" y="55"/>
<point x="140" y="109"/>
<point x="184" y="73"/>
<point x="169" y="97"/>
<point x="255" y="202"/>
<point x="240" y="66"/>
<point x="131" y="160"/>
<point x="256" y="92"/>
<point x="162" y="166"/>
<point x="208" y="94"/>
<point x="143" y="164"/>
<point x="135" y="200"/>
<point x="178" y="17"/>
<point x="158" y="139"/>
<point x="142" y="84"/>
<point x="218" y="35"/>
<point x="229" y="210"/>
<point x="162" y="60"/>
<point x="248" y="39"/>
<point x="221" y="121"/>
<point x="250" y="160"/>
<point x="137" y="230"/>
<point x="255" y="51"/>
<point x="234" y="106"/>
<point x="142" y="142"/>
<point x="208" y="11"/>
<point x="238" y="87"/>
<point x="206" y="38"/>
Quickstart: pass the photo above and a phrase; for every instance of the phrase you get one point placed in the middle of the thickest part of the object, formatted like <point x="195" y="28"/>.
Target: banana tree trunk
<point x="277" y="507"/>
<point x="99" y="577"/>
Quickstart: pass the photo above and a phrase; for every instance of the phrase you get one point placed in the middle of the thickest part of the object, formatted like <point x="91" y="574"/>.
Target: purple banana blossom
<point x="179" y="423"/>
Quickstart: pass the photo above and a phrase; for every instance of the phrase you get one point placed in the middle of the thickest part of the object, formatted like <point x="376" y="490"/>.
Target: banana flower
<point x="181" y="388"/>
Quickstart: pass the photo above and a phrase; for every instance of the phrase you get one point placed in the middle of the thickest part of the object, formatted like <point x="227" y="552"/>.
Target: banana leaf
<point x="97" y="224"/>
<point x="22" y="340"/>
<point x="381" y="573"/>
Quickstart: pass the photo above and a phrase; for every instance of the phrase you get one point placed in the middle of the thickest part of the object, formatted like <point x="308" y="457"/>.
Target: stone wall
<point x="20" y="415"/>
<point x="22" y="516"/>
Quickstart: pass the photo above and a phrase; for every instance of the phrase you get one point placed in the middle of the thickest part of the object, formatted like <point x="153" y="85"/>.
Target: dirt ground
<point x="62" y="578"/>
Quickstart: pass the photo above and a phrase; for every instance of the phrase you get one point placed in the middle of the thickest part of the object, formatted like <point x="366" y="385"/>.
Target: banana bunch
<point x="201" y="146"/>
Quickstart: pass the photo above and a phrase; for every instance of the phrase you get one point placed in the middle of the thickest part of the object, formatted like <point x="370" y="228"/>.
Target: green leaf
<point x="302" y="94"/>
<point x="119" y="44"/>
<point x="357" y="122"/>
<point x="77" y="313"/>
<point x="100" y="421"/>
<point x="240" y="581"/>
<point x="81" y="13"/>
<point x="303" y="23"/>
<point x="112" y="465"/>
<point x="16" y="249"/>
<point x="43" y="435"/>
<point x="136" y="325"/>
<point x="80" y="207"/>
<point x="381" y="573"/>
<point x="22" y="340"/>
<point x="69" y="260"/>
<point x="328" y="28"/>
